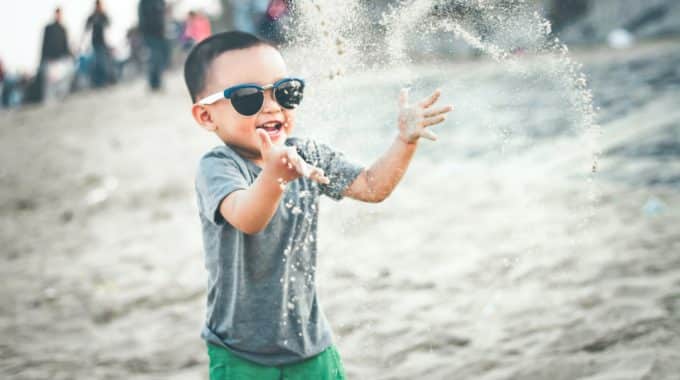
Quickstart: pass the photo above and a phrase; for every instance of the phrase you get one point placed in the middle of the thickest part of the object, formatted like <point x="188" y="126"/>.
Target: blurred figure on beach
<point x="11" y="87"/>
<point x="4" y="99"/>
<point x="152" y="29"/>
<point x="243" y="13"/>
<point x="2" y="85"/>
<point x="270" y="25"/>
<point x="260" y="17"/>
<point x="102" y="72"/>
<point x="56" y="64"/>
<point x="196" y="29"/>
<point x="134" y="63"/>
<point x="55" y="41"/>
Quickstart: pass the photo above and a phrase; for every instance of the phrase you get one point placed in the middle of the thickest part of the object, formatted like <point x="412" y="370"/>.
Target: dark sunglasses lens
<point x="289" y="93"/>
<point x="247" y="101"/>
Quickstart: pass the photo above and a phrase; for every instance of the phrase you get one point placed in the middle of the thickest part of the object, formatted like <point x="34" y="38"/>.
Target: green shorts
<point x="226" y="366"/>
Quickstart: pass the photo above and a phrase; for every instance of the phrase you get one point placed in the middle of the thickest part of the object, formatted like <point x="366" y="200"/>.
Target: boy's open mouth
<point x="273" y="128"/>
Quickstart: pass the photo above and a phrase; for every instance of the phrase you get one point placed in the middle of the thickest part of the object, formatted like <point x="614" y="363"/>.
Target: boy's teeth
<point x="270" y="125"/>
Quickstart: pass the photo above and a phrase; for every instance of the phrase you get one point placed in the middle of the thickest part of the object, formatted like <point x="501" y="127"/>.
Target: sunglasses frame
<point x="226" y="94"/>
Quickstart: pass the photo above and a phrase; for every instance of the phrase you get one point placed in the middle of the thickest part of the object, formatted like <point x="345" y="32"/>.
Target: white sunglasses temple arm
<point x="210" y="99"/>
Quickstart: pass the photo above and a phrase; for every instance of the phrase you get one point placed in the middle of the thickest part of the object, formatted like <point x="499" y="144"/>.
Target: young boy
<point x="258" y="196"/>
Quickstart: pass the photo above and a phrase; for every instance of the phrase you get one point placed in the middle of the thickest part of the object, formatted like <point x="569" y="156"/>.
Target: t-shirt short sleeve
<point x="218" y="175"/>
<point x="340" y="171"/>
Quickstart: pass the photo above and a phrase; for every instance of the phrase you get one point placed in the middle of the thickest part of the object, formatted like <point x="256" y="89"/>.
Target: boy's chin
<point x="278" y="137"/>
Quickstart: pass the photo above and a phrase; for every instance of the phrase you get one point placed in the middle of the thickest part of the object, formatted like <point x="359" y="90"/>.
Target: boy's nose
<point x="270" y="103"/>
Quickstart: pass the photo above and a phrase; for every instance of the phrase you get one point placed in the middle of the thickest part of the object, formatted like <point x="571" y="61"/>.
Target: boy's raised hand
<point x="285" y="163"/>
<point x="415" y="118"/>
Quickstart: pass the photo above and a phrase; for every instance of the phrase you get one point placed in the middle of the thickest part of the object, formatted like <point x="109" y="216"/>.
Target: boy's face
<point x="261" y="65"/>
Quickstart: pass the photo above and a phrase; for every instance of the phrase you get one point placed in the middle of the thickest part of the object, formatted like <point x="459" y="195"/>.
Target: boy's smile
<point x="273" y="128"/>
<point x="262" y="65"/>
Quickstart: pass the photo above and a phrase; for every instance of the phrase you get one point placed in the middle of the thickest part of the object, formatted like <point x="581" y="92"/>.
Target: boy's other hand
<point x="415" y="118"/>
<point x="285" y="164"/>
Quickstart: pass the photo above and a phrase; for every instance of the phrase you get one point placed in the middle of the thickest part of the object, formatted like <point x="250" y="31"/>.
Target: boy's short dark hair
<point x="201" y="56"/>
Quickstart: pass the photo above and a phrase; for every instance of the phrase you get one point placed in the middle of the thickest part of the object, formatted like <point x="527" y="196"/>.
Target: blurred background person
<point x="196" y="29"/>
<point x="102" y="72"/>
<point x="4" y="88"/>
<point x="2" y="85"/>
<point x="53" y="76"/>
<point x="55" y="40"/>
<point x="260" y="17"/>
<point x="270" y="25"/>
<point x="134" y="63"/>
<point x="11" y="87"/>
<point x="245" y="15"/>
<point x="152" y="29"/>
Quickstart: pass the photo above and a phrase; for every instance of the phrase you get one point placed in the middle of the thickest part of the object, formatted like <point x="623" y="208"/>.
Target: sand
<point x="490" y="261"/>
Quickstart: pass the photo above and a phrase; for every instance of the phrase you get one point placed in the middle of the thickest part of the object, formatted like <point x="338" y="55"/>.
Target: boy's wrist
<point x="404" y="140"/>
<point x="271" y="180"/>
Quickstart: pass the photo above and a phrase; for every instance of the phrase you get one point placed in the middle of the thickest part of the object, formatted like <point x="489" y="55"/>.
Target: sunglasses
<point x="247" y="99"/>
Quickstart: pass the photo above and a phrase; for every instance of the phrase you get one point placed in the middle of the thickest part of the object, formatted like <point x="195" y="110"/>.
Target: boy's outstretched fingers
<point x="265" y="142"/>
<point x="296" y="162"/>
<point x="430" y="100"/>
<point x="319" y="176"/>
<point x="437" y="111"/>
<point x="428" y="134"/>
<point x="403" y="98"/>
<point x="433" y="120"/>
<point x="414" y="120"/>
<point x="305" y="169"/>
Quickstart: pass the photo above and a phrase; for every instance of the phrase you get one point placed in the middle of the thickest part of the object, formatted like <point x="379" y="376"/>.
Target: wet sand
<point x="488" y="262"/>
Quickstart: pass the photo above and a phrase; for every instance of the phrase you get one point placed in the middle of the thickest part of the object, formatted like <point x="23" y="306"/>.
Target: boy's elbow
<point x="250" y="232"/>
<point x="373" y="200"/>
<point x="376" y="197"/>
<point x="376" y="192"/>
<point x="381" y="198"/>
<point x="250" y="229"/>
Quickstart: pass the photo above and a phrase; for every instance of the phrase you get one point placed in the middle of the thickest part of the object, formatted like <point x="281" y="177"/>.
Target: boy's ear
<point x="203" y="117"/>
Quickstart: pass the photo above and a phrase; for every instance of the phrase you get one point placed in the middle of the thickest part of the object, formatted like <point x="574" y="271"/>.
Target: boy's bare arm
<point x="250" y="210"/>
<point x="377" y="182"/>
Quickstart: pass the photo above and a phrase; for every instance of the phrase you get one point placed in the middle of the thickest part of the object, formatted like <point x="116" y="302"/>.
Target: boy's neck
<point x="258" y="162"/>
<point x="254" y="157"/>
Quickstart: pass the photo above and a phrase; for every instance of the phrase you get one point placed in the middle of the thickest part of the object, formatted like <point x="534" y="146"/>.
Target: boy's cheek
<point x="222" y="117"/>
<point x="290" y="121"/>
<point x="290" y="127"/>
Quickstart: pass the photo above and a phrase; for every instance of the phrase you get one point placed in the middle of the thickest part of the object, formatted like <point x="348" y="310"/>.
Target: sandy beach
<point x="496" y="258"/>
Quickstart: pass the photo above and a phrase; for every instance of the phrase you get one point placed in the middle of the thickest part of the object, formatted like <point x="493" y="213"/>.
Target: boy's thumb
<point x="403" y="97"/>
<point x="265" y="141"/>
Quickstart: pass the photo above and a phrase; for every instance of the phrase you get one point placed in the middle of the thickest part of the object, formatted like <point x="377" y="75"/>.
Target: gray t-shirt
<point x="262" y="303"/>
